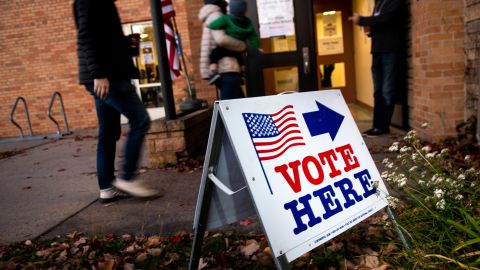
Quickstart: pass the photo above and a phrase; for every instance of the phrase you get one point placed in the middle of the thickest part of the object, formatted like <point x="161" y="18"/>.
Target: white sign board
<point x="308" y="169"/>
<point x="275" y="18"/>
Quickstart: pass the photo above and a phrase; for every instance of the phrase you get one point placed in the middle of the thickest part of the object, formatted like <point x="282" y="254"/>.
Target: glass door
<point x="286" y="61"/>
<point x="334" y="46"/>
<point x="316" y="52"/>
<point x="148" y="85"/>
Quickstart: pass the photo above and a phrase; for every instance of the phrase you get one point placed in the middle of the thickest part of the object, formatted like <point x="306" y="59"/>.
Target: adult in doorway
<point x="230" y="80"/>
<point x="105" y="69"/>
<point x="387" y="28"/>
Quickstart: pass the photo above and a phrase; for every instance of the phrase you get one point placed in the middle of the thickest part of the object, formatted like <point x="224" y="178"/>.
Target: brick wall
<point x="437" y="67"/>
<point x="472" y="50"/>
<point x="38" y="57"/>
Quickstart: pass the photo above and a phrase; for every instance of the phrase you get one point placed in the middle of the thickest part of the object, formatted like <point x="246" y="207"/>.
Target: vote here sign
<point x="308" y="169"/>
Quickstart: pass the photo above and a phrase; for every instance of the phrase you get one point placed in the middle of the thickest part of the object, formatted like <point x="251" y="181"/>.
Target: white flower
<point x="461" y="177"/>
<point x="384" y="175"/>
<point x="385" y="161"/>
<point x="401" y="180"/>
<point x="394" y="147"/>
<point x="424" y="125"/>
<point x="405" y="149"/>
<point x="431" y="155"/>
<point x="438" y="193"/>
<point x="393" y="202"/>
<point x="459" y="197"/>
<point x="468" y="158"/>
<point x="427" y="148"/>
<point x="440" y="204"/>
<point x="415" y="157"/>
<point x="421" y="182"/>
<point x="410" y="135"/>
<point x="412" y="169"/>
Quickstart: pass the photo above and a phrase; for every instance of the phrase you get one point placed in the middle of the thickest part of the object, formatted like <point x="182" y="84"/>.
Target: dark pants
<point x="121" y="99"/>
<point x="385" y="72"/>
<point x="230" y="85"/>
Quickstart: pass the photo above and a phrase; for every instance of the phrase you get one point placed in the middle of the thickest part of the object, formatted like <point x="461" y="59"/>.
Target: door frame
<point x="305" y="38"/>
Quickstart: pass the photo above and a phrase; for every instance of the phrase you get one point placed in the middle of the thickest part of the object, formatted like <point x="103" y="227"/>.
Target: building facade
<point x="38" y="58"/>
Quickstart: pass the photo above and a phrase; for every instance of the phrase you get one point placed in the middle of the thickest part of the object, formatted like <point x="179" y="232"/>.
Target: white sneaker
<point x="112" y="194"/>
<point x="135" y="188"/>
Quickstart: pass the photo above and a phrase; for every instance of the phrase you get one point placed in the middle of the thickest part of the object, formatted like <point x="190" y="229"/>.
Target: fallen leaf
<point x="173" y="257"/>
<point x="81" y="241"/>
<point x="61" y="170"/>
<point x="382" y="267"/>
<point x="245" y="222"/>
<point x="202" y="263"/>
<point x="108" y="264"/>
<point x="153" y="241"/>
<point x="141" y="257"/>
<point x="251" y="247"/>
<point x="126" y="237"/>
<point x="155" y="251"/>
<point x="62" y="256"/>
<point x="128" y="266"/>
<point x="43" y="253"/>
<point x="371" y="261"/>
<point x="132" y="248"/>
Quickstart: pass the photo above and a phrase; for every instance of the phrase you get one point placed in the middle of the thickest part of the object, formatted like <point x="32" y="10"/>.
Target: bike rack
<point x="14" y="108"/>
<point x="49" y="113"/>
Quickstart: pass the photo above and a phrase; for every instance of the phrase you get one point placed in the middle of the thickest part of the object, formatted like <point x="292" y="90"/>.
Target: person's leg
<point x="215" y="55"/>
<point x="230" y="86"/>
<point x="124" y="99"/>
<point x="391" y="70"/>
<point x="377" y="76"/>
<point x="108" y="134"/>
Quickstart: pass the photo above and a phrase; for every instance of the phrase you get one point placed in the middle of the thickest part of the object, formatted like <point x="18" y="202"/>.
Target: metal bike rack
<point x="22" y="137"/>
<point x="14" y="108"/>
<point x="49" y="113"/>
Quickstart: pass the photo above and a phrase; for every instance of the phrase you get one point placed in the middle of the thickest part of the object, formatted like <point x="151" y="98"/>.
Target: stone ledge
<point x="186" y="136"/>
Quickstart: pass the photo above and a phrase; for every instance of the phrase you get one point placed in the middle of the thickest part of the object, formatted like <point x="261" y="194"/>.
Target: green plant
<point x="438" y="203"/>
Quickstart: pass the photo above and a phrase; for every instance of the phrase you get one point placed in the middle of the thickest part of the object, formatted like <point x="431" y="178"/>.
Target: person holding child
<point x="228" y="67"/>
<point x="236" y="25"/>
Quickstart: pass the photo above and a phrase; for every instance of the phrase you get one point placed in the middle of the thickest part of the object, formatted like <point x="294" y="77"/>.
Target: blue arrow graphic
<point x="325" y="120"/>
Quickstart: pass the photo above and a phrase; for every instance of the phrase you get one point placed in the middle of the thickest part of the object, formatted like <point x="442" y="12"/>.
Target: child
<point x="236" y="25"/>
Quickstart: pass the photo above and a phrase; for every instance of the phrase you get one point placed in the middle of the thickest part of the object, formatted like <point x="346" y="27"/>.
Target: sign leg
<point x="393" y="216"/>
<point x="201" y="227"/>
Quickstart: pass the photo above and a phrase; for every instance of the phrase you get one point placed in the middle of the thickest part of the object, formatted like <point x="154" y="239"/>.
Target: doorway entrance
<point x="319" y="54"/>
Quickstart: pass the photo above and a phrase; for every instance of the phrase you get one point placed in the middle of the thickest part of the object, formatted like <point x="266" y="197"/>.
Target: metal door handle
<point x="306" y="60"/>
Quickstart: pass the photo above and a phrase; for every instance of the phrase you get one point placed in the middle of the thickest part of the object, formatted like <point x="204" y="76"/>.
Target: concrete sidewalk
<point x="49" y="188"/>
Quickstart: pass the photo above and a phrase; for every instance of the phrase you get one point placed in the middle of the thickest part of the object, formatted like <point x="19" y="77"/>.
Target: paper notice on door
<point x="275" y="18"/>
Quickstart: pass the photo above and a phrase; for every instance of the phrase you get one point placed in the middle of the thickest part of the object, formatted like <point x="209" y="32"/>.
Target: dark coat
<point x="102" y="48"/>
<point x="388" y="28"/>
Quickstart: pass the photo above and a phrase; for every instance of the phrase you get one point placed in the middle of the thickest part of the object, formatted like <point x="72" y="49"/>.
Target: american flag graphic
<point x="168" y="13"/>
<point x="274" y="134"/>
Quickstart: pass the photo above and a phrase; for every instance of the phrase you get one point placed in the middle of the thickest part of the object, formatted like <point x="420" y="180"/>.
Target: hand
<point x="355" y="18"/>
<point x="101" y="87"/>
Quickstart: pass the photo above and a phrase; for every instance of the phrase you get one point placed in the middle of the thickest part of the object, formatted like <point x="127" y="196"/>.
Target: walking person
<point x="105" y="69"/>
<point x="387" y="28"/>
<point x="230" y="80"/>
